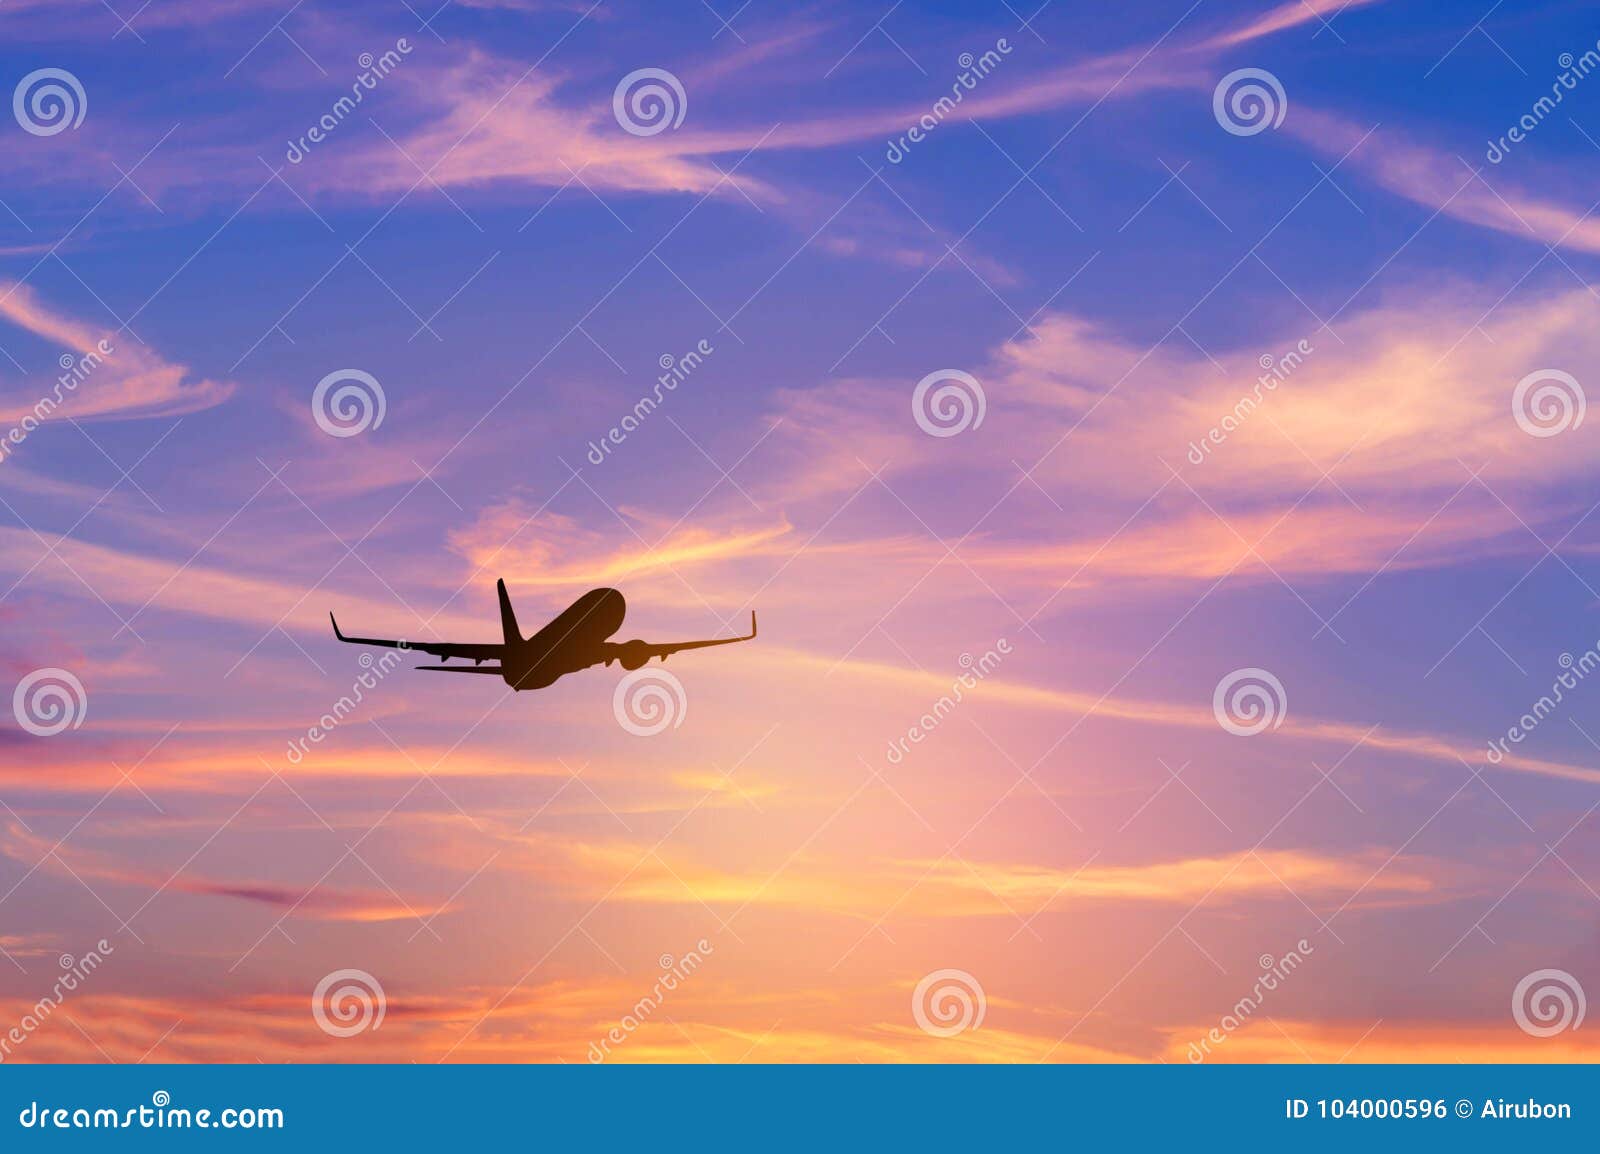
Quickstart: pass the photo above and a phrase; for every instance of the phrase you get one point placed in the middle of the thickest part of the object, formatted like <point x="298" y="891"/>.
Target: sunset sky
<point x="1395" y="542"/>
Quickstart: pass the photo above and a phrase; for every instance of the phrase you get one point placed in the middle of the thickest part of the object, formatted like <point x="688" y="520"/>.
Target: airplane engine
<point x="634" y="654"/>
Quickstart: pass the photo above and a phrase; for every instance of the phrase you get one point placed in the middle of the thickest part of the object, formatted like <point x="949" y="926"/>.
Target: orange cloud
<point x="557" y="1021"/>
<point x="547" y="550"/>
<point x="1362" y="401"/>
<point x="946" y="888"/>
<point x="1400" y="1042"/>
<point x="1268" y="873"/>
<point x="27" y="945"/>
<point x="560" y="1020"/>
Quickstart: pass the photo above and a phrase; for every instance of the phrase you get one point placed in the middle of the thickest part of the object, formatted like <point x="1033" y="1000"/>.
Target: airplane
<point x="576" y="639"/>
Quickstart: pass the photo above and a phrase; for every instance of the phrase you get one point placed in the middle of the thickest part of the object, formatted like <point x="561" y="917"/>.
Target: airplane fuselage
<point x="573" y="640"/>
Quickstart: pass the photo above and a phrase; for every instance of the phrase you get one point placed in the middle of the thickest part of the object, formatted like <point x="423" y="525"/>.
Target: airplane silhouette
<point x="574" y="640"/>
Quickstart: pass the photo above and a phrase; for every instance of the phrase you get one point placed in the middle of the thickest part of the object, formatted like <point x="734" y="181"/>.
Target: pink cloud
<point x="113" y="376"/>
<point x="1466" y="188"/>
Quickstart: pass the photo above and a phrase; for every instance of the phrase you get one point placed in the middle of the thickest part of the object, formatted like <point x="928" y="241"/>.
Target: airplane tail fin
<point x="508" y="619"/>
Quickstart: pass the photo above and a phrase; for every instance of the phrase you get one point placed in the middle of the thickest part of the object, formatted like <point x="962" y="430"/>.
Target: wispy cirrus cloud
<point x="1288" y="1039"/>
<point x="317" y="903"/>
<point x="1430" y="747"/>
<point x="1462" y="187"/>
<point x="1205" y="465"/>
<point x="1292" y="14"/>
<point x="947" y="888"/>
<point x="505" y="125"/>
<point x="131" y="381"/>
<point x="549" y="550"/>
<point x="556" y="1020"/>
<point x="169" y="14"/>
<point x="471" y="118"/>
<point x="142" y="581"/>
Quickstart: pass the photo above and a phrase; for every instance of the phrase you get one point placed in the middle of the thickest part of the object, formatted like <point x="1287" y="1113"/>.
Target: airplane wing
<point x="667" y="648"/>
<point x="441" y="649"/>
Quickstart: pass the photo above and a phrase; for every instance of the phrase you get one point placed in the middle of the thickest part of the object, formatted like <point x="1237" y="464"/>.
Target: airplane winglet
<point x="336" y="632"/>
<point x="752" y="624"/>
